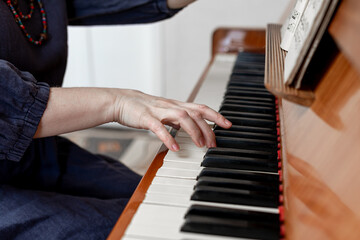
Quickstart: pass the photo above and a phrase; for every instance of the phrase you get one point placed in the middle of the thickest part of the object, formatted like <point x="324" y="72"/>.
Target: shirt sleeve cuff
<point x="31" y="122"/>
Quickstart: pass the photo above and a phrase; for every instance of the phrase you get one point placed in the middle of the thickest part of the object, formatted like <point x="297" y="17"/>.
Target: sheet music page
<point x="292" y="22"/>
<point x="306" y="28"/>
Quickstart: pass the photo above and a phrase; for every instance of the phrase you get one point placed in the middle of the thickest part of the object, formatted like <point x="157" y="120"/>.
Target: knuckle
<point x="203" y="107"/>
<point x="196" y="115"/>
<point x="182" y="114"/>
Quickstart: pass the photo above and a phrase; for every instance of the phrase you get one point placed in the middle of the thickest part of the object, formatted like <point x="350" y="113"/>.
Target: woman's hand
<point x="72" y="109"/>
<point x="138" y="110"/>
<point x="176" y="4"/>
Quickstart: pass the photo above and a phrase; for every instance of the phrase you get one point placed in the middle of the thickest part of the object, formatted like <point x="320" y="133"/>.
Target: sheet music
<point x="303" y="36"/>
<point x="291" y="24"/>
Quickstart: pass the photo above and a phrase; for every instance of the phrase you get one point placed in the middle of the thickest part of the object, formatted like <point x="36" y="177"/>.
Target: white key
<point x="182" y="165"/>
<point x="174" y="181"/>
<point x="177" y="173"/>
<point x="185" y="156"/>
<point x="163" y="222"/>
<point x="170" y="189"/>
<point x="186" y="202"/>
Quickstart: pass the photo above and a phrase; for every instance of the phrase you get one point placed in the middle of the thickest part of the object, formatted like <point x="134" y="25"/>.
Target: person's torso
<point x="46" y="62"/>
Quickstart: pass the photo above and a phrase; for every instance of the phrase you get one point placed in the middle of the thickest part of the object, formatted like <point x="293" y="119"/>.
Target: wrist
<point x="177" y="4"/>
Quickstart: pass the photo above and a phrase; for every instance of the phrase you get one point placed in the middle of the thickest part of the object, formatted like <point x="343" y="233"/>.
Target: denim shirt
<point x="27" y="71"/>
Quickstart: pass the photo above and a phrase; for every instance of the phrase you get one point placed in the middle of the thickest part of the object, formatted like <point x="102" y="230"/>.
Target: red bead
<point x="18" y="15"/>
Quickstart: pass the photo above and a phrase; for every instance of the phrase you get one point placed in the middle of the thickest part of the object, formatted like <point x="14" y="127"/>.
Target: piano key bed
<point x="233" y="191"/>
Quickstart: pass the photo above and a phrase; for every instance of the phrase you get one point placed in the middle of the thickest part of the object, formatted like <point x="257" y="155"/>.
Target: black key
<point x="248" y="93"/>
<point x="230" y="142"/>
<point x="242" y="163"/>
<point x="238" y="152"/>
<point x="245" y="108"/>
<point x="247" y="115"/>
<point x="249" y="129"/>
<point x="254" y="79"/>
<point x="231" y="228"/>
<point x="248" y="72"/>
<point x="249" y="103"/>
<point x="235" y="196"/>
<point x="230" y="213"/>
<point x="260" y="136"/>
<point x="239" y="88"/>
<point x="239" y="174"/>
<point x="242" y="121"/>
<point x="270" y="188"/>
<point x="249" y="98"/>
<point x="259" y="85"/>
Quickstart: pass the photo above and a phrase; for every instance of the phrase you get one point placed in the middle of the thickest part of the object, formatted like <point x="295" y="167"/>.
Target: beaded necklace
<point x="19" y="16"/>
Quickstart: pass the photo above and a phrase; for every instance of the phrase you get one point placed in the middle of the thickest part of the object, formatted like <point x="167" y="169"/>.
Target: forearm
<point x="176" y="4"/>
<point x="71" y="109"/>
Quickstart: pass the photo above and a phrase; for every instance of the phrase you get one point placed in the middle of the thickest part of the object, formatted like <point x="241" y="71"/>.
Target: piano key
<point x="231" y="213"/>
<point x="246" y="108"/>
<point x="240" y="78"/>
<point x="249" y="72"/>
<point x="248" y="129"/>
<point x="171" y="189"/>
<point x="249" y="98"/>
<point x="271" y="188"/>
<point x="247" y="115"/>
<point x="162" y="222"/>
<point x="239" y="174"/>
<point x="262" y="136"/>
<point x="164" y="199"/>
<point x="185" y="156"/>
<point x="248" y="102"/>
<point x="253" y="122"/>
<point x="238" y="152"/>
<point x="231" y="142"/>
<point x="233" y="228"/>
<point x="174" y="181"/>
<point x="182" y="165"/>
<point x="234" y="196"/>
<point x="242" y="163"/>
<point x="249" y="93"/>
<point x="246" y="84"/>
<point x="251" y="89"/>
<point x="177" y="173"/>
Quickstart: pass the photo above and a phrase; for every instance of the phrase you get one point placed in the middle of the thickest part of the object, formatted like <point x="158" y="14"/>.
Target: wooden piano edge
<point x="237" y="39"/>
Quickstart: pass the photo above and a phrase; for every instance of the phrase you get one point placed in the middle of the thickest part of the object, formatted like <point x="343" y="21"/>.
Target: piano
<point x="285" y="170"/>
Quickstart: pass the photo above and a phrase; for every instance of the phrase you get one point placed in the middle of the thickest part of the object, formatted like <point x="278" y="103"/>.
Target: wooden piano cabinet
<point x="321" y="144"/>
<point x="233" y="40"/>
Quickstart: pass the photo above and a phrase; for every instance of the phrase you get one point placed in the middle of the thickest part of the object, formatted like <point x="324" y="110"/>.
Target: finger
<point x="211" y="115"/>
<point x="162" y="133"/>
<point x="204" y="127"/>
<point x="182" y="117"/>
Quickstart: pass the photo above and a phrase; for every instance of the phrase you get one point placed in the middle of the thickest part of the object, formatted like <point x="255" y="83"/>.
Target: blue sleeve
<point x="105" y="12"/>
<point x="22" y="103"/>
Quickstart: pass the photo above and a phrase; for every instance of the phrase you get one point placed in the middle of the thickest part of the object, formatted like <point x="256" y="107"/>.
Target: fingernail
<point x="175" y="147"/>
<point x="227" y="122"/>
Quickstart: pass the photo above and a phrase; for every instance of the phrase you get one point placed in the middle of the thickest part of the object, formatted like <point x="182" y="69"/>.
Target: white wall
<point x="164" y="58"/>
<point x="120" y="56"/>
<point x="188" y="35"/>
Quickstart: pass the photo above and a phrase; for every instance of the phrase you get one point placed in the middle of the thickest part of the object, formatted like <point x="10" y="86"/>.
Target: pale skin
<point x="175" y="4"/>
<point x="72" y="109"/>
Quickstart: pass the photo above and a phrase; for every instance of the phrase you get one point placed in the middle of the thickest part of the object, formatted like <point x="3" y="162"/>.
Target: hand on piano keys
<point x="230" y="191"/>
<point x="140" y="110"/>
